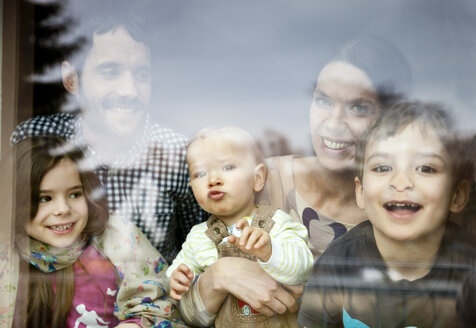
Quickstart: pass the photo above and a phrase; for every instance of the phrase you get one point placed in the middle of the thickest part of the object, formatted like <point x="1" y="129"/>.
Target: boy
<point x="405" y="265"/>
<point x="226" y="170"/>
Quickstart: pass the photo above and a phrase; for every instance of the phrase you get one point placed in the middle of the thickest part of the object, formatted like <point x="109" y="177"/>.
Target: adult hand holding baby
<point x="259" y="290"/>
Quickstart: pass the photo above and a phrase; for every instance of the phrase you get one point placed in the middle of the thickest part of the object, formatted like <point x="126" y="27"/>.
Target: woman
<point x="367" y="75"/>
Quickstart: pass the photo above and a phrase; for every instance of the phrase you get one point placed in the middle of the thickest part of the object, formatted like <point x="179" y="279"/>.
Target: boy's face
<point x="407" y="189"/>
<point x="224" y="177"/>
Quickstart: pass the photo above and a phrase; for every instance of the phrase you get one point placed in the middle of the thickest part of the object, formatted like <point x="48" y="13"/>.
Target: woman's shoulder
<point x="277" y="162"/>
<point x="282" y="170"/>
<point x="286" y="161"/>
<point x="304" y="166"/>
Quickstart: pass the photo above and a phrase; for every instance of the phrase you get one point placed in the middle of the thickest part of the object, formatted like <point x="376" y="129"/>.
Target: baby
<point x="226" y="170"/>
<point x="406" y="264"/>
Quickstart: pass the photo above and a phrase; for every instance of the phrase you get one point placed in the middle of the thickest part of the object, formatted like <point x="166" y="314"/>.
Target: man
<point x="141" y="164"/>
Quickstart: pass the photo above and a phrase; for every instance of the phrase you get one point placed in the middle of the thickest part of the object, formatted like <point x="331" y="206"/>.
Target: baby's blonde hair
<point x="236" y="135"/>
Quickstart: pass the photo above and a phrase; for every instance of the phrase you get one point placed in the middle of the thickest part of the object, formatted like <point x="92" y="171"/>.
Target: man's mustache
<point x="123" y="102"/>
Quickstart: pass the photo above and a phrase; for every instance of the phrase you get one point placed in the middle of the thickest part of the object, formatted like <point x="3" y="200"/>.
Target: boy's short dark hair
<point x="428" y="115"/>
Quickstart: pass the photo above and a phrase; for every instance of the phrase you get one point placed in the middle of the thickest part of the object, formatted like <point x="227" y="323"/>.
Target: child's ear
<point x="460" y="196"/>
<point x="70" y="78"/>
<point x="260" y="177"/>
<point x="359" y="193"/>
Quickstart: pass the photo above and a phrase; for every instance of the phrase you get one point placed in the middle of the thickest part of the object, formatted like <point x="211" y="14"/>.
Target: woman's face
<point x="344" y="104"/>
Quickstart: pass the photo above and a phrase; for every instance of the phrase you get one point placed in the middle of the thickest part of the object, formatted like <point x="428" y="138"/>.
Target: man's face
<point x="115" y="84"/>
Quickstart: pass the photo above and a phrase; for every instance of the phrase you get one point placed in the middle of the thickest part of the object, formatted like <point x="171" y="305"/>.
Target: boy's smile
<point x="407" y="189"/>
<point x="402" y="209"/>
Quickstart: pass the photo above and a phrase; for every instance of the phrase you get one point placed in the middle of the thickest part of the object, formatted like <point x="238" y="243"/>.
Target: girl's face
<point x="62" y="210"/>
<point x="344" y="103"/>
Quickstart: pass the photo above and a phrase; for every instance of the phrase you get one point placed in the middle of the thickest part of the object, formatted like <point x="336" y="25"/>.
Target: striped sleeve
<point x="291" y="260"/>
<point x="198" y="251"/>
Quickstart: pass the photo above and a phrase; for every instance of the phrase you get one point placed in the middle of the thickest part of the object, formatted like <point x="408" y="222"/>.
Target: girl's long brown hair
<point x="35" y="157"/>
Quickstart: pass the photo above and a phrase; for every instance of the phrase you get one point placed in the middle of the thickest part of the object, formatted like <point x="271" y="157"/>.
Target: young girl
<point x="68" y="281"/>
<point x="61" y="233"/>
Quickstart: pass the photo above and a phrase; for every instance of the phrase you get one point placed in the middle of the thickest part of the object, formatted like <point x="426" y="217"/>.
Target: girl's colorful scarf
<point x="141" y="279"/>
<point x="48" y="258"/>
<point x="142" y="283"/>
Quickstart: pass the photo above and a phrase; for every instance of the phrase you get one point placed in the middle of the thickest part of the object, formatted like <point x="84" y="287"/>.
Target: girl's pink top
<point x="94" y="292"/>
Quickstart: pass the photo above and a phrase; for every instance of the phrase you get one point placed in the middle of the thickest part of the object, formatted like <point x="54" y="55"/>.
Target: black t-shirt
<point x="350" y="286"/>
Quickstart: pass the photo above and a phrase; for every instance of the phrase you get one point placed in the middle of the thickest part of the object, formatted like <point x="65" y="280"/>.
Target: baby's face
<point x="407" y="187"/>
<point x="222" y="176"/>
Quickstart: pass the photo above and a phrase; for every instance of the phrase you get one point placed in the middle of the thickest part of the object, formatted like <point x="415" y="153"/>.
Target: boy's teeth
<point x="61" y="227"/>
<point x="404" y="205"/>
<point x="335" y="145"/>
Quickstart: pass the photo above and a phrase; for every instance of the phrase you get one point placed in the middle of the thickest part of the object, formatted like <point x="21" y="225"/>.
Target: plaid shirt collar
<point x="121" y="160"/>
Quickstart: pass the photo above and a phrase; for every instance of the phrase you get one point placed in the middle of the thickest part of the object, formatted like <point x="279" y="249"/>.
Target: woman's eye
<point x="382" y="169"/>
<point x="44" y="199"/>
<point x="426" y="169"/>
<point x="360" y="110"/>
<point x="199" y="174"/>
<point x="228" y="167"/>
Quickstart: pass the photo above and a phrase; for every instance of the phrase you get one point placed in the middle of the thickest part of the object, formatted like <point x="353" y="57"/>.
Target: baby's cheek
<point x="201" y="201"/>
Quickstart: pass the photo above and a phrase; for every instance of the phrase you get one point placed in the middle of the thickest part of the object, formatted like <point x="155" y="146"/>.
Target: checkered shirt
<point x="147" y="184"/>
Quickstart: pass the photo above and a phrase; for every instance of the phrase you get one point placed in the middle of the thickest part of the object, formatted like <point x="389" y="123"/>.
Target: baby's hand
<point x="253" y="241"/>
<point x="179" y="281"/>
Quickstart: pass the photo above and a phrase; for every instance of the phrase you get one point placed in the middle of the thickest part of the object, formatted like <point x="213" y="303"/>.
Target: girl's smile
<point x="62" y="229"/>
<point x="62" y="207"/>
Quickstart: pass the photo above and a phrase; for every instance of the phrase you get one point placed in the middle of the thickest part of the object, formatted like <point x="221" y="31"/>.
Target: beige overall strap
<point x="263" y="217"/>
<point x="217" y="230"/>
<point x="279" y="182"/>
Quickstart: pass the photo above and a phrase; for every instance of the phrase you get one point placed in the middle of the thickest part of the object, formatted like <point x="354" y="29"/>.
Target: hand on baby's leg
<point x="253" y="240"/>
<point x="179" y="281"/>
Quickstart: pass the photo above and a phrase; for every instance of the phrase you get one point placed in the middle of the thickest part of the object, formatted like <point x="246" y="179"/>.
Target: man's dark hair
<point x="104" y="16"/>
